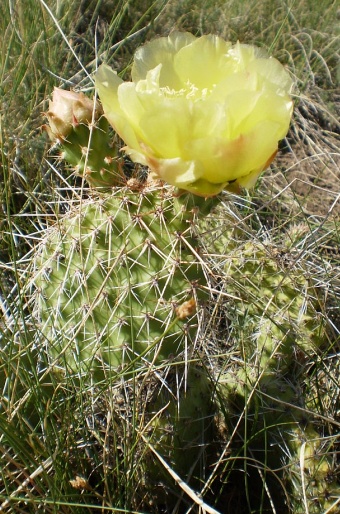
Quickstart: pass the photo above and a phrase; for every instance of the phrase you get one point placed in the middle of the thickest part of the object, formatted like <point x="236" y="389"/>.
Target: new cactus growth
<point x="77" y="125"/>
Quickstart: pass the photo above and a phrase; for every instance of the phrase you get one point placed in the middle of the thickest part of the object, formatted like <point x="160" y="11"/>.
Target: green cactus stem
<point x="92" y="155"/>
<point x="120" y="281"/>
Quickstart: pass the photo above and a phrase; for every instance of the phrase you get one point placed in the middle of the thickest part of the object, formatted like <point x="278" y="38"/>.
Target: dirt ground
<point x="313" y="179"/>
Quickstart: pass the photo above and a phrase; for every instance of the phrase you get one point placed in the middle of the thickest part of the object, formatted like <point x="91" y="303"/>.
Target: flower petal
<point x="161" y="50"/>
<point x="107" y="83"/>
<point x="208" y="53"/>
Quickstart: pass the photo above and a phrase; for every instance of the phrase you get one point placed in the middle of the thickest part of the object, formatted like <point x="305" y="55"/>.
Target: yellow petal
<point x="107" y="83"/>
<point x="224" y="160"/>
<point x="167" y="130"/>
<point x="205" y="188"/>
<point x="176" y="172"/>
<point x="160" y="50"/>
<point x="115" y="96"/>
<point x="271" y="75"/>
<point x="203" y="62"/>
<point x="246" y="109"/>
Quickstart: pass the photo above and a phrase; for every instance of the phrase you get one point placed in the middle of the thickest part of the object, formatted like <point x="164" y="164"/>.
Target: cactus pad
<point x="118" y="281"/>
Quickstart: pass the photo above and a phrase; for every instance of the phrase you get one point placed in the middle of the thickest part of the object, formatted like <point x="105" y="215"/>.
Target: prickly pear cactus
<point x="273" y="312"/>
<point x="275" y="305"/>
<point x="119" y="281"/>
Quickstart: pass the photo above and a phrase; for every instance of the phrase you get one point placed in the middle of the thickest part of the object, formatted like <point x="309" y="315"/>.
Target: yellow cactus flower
<point x="203" y="114"/>
<point x="67" y="109"/>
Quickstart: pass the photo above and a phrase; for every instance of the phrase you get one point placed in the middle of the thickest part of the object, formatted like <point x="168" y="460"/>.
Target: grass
<point x="65" y="446"/>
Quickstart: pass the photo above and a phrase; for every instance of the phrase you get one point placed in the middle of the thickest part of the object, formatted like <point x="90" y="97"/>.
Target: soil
<point x="313" y="179"/>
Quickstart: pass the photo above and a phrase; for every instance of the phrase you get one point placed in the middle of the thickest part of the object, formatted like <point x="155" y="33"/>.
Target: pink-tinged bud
<point x="66" y="110"/>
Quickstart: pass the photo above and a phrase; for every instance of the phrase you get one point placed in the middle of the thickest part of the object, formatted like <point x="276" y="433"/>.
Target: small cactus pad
<point x="92" y="155"/>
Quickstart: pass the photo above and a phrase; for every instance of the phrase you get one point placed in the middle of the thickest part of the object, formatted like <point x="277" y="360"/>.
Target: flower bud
<point x="203" y="114"/>
<point x="66" y="110"/>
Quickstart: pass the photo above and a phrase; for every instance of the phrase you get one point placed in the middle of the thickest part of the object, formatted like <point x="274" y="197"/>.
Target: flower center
<point x="191" y="92"/>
